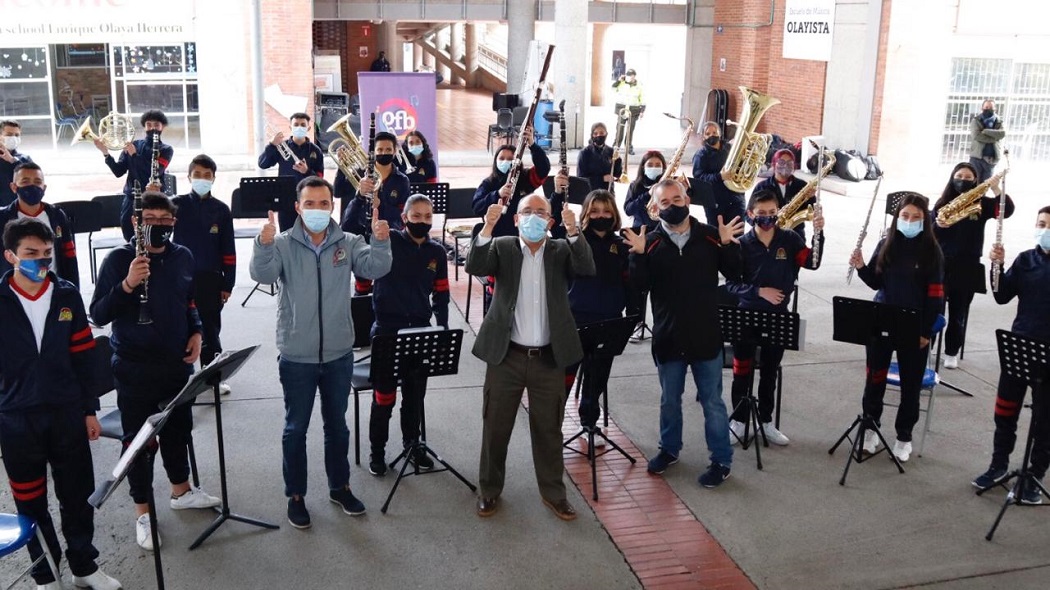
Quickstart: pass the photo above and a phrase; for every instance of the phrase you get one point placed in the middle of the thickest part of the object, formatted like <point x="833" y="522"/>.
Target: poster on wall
<point x="407" y="101"/>
<point x="808" y="29"/>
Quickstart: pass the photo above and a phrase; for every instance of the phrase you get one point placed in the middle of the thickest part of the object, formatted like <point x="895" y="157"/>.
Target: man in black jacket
<point x="29" y="185"/>
<point x="10" y="158"/>
<point x="679" y="264"/>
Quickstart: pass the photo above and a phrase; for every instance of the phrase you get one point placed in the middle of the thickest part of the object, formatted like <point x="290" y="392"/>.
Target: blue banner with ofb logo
<point x="407" y="101"/>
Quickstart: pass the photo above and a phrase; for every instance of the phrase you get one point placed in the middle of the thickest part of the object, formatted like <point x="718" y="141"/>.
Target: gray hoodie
<point x="314" y="324"/>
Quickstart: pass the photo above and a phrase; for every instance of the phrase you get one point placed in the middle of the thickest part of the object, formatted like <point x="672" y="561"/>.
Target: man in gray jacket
<point x="986" y="133"/>
<point x="313" y="262"/>
<point x="527" y="339"/>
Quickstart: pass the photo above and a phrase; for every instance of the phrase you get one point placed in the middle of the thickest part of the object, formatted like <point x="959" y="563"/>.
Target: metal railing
<point x="492" y="61"/>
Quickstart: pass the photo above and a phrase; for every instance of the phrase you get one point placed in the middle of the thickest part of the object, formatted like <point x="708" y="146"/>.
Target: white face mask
<point x="653" y="172"/>
<point x="11" y="142"/>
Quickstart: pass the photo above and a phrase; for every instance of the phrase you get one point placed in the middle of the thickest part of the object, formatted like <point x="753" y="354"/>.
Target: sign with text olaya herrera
<point x="43" y="22"/>
<point x="808" y="29"/>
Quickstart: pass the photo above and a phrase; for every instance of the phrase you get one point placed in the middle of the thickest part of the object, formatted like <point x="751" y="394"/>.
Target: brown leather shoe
<point x="561" y="508"/>
<point x="486" y="506"/>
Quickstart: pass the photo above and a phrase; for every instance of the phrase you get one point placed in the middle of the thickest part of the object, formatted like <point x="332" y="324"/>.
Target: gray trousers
<point x="504" y="384"/>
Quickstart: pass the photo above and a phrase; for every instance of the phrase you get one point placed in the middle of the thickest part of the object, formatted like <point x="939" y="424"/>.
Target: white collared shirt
<point x="531" y="326"/>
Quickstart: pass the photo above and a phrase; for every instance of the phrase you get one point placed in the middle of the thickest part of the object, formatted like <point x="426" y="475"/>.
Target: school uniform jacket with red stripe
<point x="415" y="287"/>
<point x="205" y="226"/>
<point x="904" y="282"/>
<point x="57" y="374"/>
<point x="65" y="246"/>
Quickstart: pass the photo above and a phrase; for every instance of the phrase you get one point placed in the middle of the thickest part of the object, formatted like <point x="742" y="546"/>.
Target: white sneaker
<point x="599" y="442"/>
<point x="871" y="442"/>
<point x="736" y="432"/>
<point x="951" y="362"/>
<point x="98" y="580"/>
<point x="143" y="533"/>
<point x="50" y="586"/>
<point x="195" y="498"/>
<point x="224" y="388"/>
<point x="774" y="436"/>
<point x="902" y="450"/>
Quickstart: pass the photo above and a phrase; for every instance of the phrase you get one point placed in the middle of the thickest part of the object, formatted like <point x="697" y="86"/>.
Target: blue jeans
<point x="301" y="382"/>
<point x="707" y="375"/>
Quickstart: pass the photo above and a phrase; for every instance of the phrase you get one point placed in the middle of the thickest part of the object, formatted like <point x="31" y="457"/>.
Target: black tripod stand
<point x="863" y="322"/>
<point x="417" y="354"/>
<point x="1027" y="359"/>
<point x="761" y="328"/>
<point x="601" y="342"/>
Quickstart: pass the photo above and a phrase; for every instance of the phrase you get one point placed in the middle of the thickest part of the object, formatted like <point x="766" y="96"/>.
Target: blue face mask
<point x="1042" y="237"/>
<point x="533" y="228"/>
<point x="909" y="229"/>
<point x="34" y="269"/>
<point x="504" y="166"/>
<point x="201" y="186"/>
<point x="653" y="173"/>
<point x="415" y="150"/>
<point x="299" y="132"/>
<point x="316" y="220"/>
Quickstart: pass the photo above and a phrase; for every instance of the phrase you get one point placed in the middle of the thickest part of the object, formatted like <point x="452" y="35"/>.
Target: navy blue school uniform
<point x="415" y="289"/>
<point x="425" y="170"/>
<point x="65" y="245"/>
<point x="595" y="162"/>
<point x="137" y="168"/>
<point x="7" y="176"/>
<point x="775" y="266"/>
<point x="205" y="227"/>
<point x="1027" y="280"/>
<point x="44" y="399"/>
<point x="393" y="194"/>
<point x="309" y="153"/>
<point x="785" y="192"/>
<point x="712" y="193"/>
<point x="636" y="200"/>
<point x="147" y="359"/>
<point x="529" y="180"/>
<point x="904" y="282"/>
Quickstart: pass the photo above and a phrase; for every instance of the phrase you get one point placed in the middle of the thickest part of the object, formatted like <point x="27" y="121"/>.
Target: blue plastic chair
<point x="930" y="379"/>
<point x="15" y="532"/>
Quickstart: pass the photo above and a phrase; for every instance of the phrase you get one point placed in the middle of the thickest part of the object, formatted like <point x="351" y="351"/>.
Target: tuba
<point x="748" y="153"/>
<point x="966" y="204"/>
<point x="346" y="151"/>
<point x="793" y="214"/>
<point x="115" y="131"/>
<point x="672" y="164"/>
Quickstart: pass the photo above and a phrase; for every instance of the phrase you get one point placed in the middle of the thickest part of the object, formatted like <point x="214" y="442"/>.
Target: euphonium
<point x="748" y="153"/>
<point x="793" y="214"/>
<point x="115" y="131"/>
<point x="672" y="164"/>
<point x="966" y="204"/>
<point x="346" y="151"/>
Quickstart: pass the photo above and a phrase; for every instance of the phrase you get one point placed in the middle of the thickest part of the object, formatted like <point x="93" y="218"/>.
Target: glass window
<point x="146" y="60"/>
<point x="166" y="97"/>
<point x="23" y="63"/>
<point x="80" y="55"/>
<point x="24" y="99"/>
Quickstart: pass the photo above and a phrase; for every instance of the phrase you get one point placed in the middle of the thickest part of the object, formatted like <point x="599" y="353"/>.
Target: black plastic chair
<point x="109" y="217"/>
<point x="84" y="216"/>
<point x="504" y="127"/>
<point x="237" y="211"/>
<point x="363" y="316"/>
<point x="578" y="189"/>
<point x="460" y="206"/>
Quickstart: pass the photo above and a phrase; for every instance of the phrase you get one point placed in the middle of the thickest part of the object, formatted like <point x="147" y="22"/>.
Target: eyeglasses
<point x="540" y="214"/>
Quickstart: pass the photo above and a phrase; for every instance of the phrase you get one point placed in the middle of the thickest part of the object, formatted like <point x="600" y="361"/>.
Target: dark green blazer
<point x="501" y="258"/>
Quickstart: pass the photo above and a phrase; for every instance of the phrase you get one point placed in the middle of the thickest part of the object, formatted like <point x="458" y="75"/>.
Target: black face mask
<point x="418" y="230"/>
<point x="157" y="235"/>
<point x="151" y="133"/>
<point x="987" y="113"/>
<point x="675" y="214"/>
<point x="961" y="186"/>
<point x="598" y="140"/>
<point x="384" y="159"/>
<point x="600" y="223"/>
<point x="713" y="140"/>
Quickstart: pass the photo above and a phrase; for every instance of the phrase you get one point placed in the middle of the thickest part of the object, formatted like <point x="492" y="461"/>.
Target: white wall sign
<point x="808" y="28"/>
<point x="41" y="22"/>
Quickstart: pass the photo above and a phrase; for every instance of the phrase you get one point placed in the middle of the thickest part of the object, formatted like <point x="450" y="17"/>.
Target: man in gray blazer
<point x="527" y="339"/>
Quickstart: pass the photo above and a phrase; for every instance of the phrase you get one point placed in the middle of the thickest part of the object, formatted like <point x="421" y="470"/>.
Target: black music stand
<point x="221" y="369"/>
<point x="1027" y="359"/>
<point x="761" y="328"/>
<point x="863" y="322"/>
<point x="600" y="340"/>
<point x="259" y="196"/>
<point x="421" y="353"/>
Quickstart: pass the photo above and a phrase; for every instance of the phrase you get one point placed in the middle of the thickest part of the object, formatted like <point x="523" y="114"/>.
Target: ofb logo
<point x="398" y="116"/>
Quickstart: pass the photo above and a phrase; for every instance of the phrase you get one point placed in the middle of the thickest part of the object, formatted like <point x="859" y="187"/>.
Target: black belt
<point x="530" y="351"/>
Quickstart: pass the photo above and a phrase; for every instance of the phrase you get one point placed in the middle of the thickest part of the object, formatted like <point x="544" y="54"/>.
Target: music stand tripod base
<point x="856" y="454"/>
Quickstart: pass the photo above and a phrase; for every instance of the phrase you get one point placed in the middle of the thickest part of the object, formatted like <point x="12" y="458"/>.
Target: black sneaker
<point x="1031" y="495"/>
<point x="420" y="459"/>
<point x="661" y="462"/>
<point x="377" y="465"/>
<point x="298" y="516"/>
<point x="345" y="498"/>
<point x="989" y="478"/>
<point x="714" y="476"/>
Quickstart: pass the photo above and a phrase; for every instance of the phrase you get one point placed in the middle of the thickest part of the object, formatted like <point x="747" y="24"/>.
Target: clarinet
<point x="140" y="250"/>
<point x="370" y="172"/>
<point x="563" y="152"/>
<point x="154" y="166"/>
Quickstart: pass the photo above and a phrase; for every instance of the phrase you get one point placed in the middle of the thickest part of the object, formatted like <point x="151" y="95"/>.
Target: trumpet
<point x="402" y="158"/>
<point x="346" y="151"/>
<point x="672" y="164"/>
<point x="115" y="130"/>
<point x="283" y="148"/>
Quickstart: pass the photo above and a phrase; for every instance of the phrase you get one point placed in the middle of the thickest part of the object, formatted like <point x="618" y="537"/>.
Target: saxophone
<point x="748" y="152"/>
<point x="793" y="215"/>
<point x="672" y="164"/>
<point x="966" y="204"/>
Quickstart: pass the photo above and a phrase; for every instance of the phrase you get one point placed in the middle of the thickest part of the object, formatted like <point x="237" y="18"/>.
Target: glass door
<point x="159" y="77"/>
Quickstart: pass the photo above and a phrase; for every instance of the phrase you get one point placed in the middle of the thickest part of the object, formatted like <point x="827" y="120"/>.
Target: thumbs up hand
<point x="269" y="230"/>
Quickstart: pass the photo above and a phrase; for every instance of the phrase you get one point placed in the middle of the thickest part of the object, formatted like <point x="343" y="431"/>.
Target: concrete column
<point x="428" y="60"/>
<point x="570" y="62"/>
<point x="470" y="56"/>
<point x="455" y="50"/>
<point x="521" y="28"/>
<point x="391" y="44"/>
<point x="417" y="56"/>
<point x="443" y="40"/>
<point x="699" y="43"/>
<point x="600" y="68"/>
